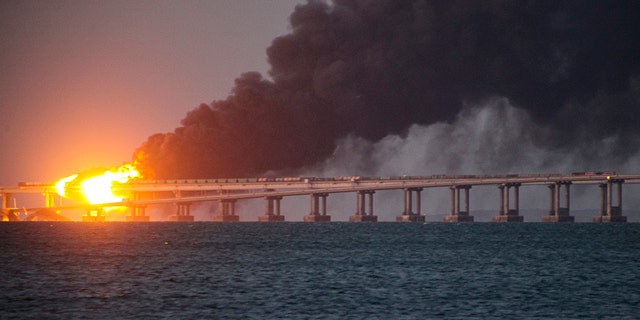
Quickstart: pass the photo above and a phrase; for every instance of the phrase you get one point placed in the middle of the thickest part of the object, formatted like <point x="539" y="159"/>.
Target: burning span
<point x="94" y="186"/>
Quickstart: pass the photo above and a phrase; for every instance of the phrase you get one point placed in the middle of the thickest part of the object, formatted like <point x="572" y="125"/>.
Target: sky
<point x="84" y="83"/>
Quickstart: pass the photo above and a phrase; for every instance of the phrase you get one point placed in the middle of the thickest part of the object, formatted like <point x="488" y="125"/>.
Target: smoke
<point x="390" y="78"/>
<point x="492" y="137"/>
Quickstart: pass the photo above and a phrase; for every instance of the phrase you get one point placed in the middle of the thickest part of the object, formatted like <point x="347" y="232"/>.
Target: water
<point x="205" y="270"/>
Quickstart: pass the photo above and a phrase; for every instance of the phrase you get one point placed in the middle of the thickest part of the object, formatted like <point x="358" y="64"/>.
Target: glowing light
<point x="97" y="189"/>
<point x="61" y="185"/>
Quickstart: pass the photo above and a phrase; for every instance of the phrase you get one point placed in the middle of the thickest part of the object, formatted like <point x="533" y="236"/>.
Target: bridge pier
<point x="557" y="213"/>
<point x="271" y="210"/>
<point x="506" y="214"/>
<point x="49" y="199"/>
<point x="94" y="215"/>
<point x="183" y="213"/>
<point x="608" y="212"/>
<point x="137" y="212"/>
<point x="6" y="201"/>
<point x="408" y="215"/>
<point x="361" y="213"/>
<point x="315" y="215"/>
<point x="4" y="205"/>
<point x="227" y="211"/>
<point x="457" y="215"/>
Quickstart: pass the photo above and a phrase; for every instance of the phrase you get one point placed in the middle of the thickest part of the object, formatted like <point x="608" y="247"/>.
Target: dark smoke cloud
<point x="369" y="69"/>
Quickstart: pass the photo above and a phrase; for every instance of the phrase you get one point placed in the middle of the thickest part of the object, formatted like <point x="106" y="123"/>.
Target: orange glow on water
<point x="96" y="188"/>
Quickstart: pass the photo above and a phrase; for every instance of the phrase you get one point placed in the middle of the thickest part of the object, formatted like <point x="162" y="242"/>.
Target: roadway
<point x="237" y="190"/>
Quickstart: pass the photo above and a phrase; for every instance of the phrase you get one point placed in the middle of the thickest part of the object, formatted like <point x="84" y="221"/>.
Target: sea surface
<point x="206" y="270"/>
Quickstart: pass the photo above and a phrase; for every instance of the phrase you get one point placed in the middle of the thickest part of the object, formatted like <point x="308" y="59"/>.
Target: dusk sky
<point x="84" y="83"/>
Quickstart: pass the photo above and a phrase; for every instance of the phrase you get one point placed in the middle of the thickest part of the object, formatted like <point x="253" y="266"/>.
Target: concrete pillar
<point x="453" y="202"/>
<point x="314" y="215"/>
<point x="609" y="204"/>
<point x="456" y="201"/>
<point x="505" y="213"/>
<point x="94" y="215"/>
<point x="318" y="204"/>
<point x="227" y="211"/>
<point x="277" y="207"/>
<point x="418" y="201"/>
<point x="271" y="210"/>
<point x="556" y="201"/>
<point x="370" y="193"/>
<point x="567" y="196"/>
<point x="407" y="202"/>
<point x="49" y="199"/>
<point x="361" y="212"/>
<point x="183" y="212"/>
<point x="501" y="211"/>
<point x="609" y="211"/>
<point x="604" y="203"/>
<point x="184" y="209"/>
<point x="408" y="215"/>
<point x="315" y="206"/>
<point x="620" y="195"/>
<point x="466" y="199"/>
<point x="456" y="215"/>
<point x="138" y="214"/>
<point x="268" y="206"/>
<point x="558" y="213"/>
<point x="137" y="211"/>
<point x="603" y="199"/>
<point x="552" y="201"/>
<point x="506" y="199"/>
<point x="324" y="204"/>
<point x="516" y="200"/>
<point x="6" y="201"/>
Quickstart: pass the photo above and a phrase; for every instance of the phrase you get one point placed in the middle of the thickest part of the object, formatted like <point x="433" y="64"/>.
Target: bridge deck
<point x="254" y="188"/>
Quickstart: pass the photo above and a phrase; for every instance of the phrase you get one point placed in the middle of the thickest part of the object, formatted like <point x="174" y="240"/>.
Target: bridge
<point x="183" y="193"/>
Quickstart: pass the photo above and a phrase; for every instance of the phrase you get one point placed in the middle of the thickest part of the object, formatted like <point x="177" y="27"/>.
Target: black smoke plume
<point x="373" y="68"/>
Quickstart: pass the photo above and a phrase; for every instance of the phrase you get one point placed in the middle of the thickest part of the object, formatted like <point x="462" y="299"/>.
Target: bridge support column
<point x="271" y="210"/>
<point x="94" y="215"/>
<point x="408" y="215"/>
<point x="137" y="212"/>
<point x="506" y="213"/>
<point x="457" y="215"/>
<point x="227" y="211"/>
<point x="361" y="213"/>
<point x="608" y="211"/>
<point x="6" y="213"/>
<point x="49" y="199"/>
<point x="557" y="213"/>
<point x="6" y="201"/>
<point x="183" y="213"/>
<point x="318" y="200"/>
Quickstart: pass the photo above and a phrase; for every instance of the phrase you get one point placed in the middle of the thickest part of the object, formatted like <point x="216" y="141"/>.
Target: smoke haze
<point x="425" y="87"/>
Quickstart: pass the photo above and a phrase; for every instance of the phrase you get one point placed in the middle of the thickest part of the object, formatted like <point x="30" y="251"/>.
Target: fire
<point x="62" y="184"/>
<point x="95" y="187"/>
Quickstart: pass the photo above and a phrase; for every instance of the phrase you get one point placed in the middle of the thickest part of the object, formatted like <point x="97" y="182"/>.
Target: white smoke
<point x="494" y="138"/>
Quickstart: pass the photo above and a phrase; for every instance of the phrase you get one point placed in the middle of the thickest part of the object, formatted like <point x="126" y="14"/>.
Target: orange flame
<point x="96" y="188"/>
